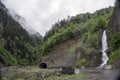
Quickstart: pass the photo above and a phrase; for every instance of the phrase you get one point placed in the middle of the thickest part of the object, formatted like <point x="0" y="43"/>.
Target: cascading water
<point x="104" y="48"/>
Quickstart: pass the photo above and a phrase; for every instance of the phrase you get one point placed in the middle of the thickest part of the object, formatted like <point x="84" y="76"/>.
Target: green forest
<point x="17" y="47"/>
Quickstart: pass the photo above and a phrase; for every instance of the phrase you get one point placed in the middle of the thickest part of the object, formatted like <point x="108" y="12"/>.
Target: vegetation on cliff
<point x="84" y="25"/>
<point x="114" y="34"/>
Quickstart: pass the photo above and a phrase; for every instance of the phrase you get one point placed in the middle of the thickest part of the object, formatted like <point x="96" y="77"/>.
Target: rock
<point x="114" y="24"/>
<point x="93" y="57"/>
<point x="82" y="67"/>
<point x="108" y="67"/>
<point x="58" y="73"/>
<point x="80" y="53"/>
<point x="43" y="76"/>
<point x="116" y="65"/>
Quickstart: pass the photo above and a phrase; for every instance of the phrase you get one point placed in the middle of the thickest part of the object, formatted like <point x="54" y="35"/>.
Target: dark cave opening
<point x="43" y="65"/>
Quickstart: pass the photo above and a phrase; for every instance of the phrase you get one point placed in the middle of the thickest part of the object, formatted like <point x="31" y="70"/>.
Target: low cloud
<point x="41" y="14"/>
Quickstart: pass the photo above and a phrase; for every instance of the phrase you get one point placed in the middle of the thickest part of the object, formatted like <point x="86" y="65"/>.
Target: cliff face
<point x="114" y="36"/>
<point x="114" y="25"/>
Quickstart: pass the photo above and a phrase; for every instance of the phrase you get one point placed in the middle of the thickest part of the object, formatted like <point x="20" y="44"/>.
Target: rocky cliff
<point x="114" y="36"/>
<point x="114" y="24"/>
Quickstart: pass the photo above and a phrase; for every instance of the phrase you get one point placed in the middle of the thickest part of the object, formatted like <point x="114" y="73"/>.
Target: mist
<point x="40" y="15"/>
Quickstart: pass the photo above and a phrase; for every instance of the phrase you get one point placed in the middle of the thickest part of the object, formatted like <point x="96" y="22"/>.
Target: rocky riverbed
<point x="35" y="73"/>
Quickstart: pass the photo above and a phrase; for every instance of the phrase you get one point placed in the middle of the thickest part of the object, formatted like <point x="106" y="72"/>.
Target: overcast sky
<point x="41" y="14"/>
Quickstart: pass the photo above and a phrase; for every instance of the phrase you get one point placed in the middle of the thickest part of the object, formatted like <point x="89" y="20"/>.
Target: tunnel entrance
<point x="43" y="65"/>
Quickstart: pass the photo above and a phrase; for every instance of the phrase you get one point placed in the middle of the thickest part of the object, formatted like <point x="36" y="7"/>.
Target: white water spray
<point x="104" y="48"/>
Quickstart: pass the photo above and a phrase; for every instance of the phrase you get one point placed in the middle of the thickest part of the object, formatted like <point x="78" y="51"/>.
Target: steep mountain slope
<point x="114" y="36"/>
<point x="114" y="24"/>
<point x="17" y="47"/>
<point x="77" y="40"/>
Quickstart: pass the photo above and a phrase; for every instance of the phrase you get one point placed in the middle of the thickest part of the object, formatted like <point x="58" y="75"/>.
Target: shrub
<point x="115" y="55"/>
<point x="6" y="57"/>
<point x="82" y="62"/>
<point x="115" y="41"/>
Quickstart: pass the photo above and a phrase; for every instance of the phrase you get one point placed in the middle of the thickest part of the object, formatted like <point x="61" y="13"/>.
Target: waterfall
<point x="104" y="48"/>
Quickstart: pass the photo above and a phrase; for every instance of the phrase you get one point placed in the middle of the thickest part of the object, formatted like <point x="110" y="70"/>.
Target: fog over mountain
<point x="41" y="14"/>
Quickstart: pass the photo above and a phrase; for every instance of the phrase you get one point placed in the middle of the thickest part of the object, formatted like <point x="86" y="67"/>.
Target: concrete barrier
<point x="69" y="70"/>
